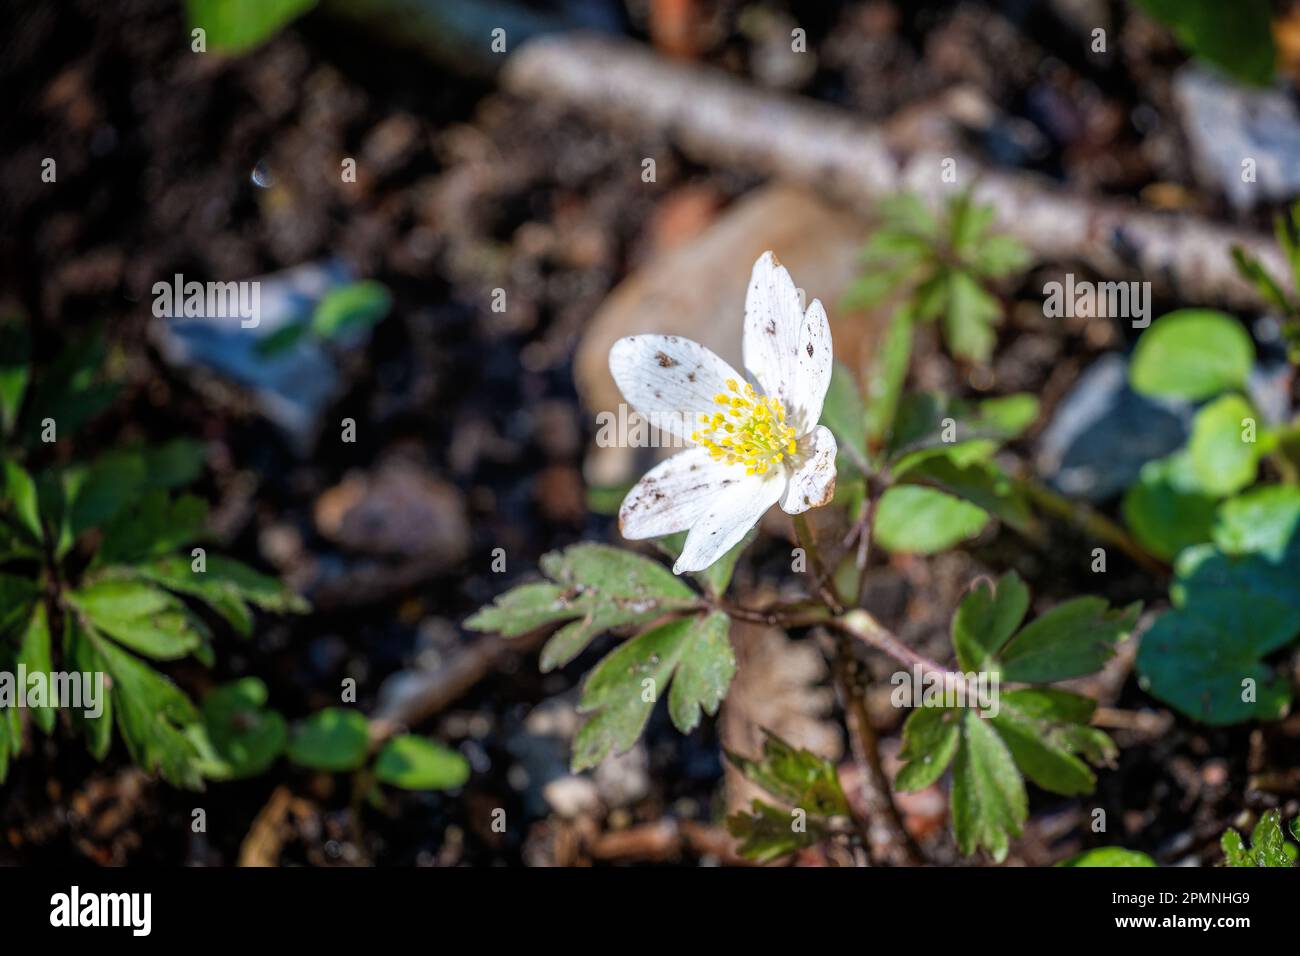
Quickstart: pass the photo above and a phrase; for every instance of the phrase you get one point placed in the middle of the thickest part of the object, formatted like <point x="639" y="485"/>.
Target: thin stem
<point x="866" y="752"/>
<point x="1092" y="523"/>
<point x="818" y="572"/>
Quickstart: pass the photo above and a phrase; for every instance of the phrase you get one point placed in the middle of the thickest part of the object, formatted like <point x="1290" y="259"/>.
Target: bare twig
<point x="720" y="120"/>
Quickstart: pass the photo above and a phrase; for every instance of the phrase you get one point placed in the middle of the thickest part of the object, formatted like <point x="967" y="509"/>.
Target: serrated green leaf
<point x="1192" y="354"/>
<point x="986" y="619"/>
<point x="795" y="776"/>
<point x="1046" y="731"/>
<point x="81" y="654"/>
<point x="920" y="520"/>
<point x="989" y="804"/>
<point x="600" y="586"/>
<point x="1223" y="461"/>
<point x="335" y="739"/>
<point x="930" y="740"/>
<point x="1167" y="509"/>
<point x="140" y="616"/>
<point x="768" y="833"/>
<point x="970" y="317"/>
<point x="622" y="689"/>
<point x="414" y="763"/>
<point x="153" y="527"/>
<point x="152" y="716"/>
<point x="1072" y="639"/>
<point x="1269" y="846"/>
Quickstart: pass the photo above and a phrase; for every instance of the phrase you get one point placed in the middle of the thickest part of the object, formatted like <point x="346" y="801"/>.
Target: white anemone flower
<point x="755" y="441"/>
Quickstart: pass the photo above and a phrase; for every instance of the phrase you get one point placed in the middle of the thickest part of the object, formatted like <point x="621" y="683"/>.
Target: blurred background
<point x="487" y="230"/>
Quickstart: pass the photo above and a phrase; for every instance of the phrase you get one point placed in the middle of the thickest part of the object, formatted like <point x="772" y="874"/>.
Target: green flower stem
<point x="1092" y="523"/>
<point x="822" y="582"/>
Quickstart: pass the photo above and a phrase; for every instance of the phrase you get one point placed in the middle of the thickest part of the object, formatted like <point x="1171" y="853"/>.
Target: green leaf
<point x="236" y="26"/>
<point x="81" y="654"/>
<point x="1223" y="461"/>
<point x="768" y="833"/>
<point x="1110" y="856"/>
<point x="20" y="495"/>
<point x="795" y="776"/>
<point x="334" y="739"/>
<point x="981" y="483"/>
<point x="140" y="616"/>
<point x="970" y="318"/>
<point x="15" y="356"/>
<point x="152" y="716"/>
<point x="1269" y="845"/>
<point x="912" y="518"/>
<point x="930" y="740"/>
<point x="1237" y="37"/>
<point x="1206" y="658"/>
<point x="999" y="256"/>
<point x="246" y="738"/>
<point x="844" y="414"/>
<point x="17" y="594"/>
<point x="109" y="486"/>
<point x="1005" y="417"/>
<point x="621" y="690"/>
<point x="887" y="376"/>
<point x="173" y="464"/>
<point x="35" y="656"/>
<point x="153" y="527"/>
<point x="414" y="763"/>
<point x="1072" y="639"/>
<point x="989" y="805"/>
<point x="226" y="586"/>
<point x="985" y="620"/>
<point x="600" y="586"/>
<point x="1166" y="508"/>
<point x="1260" y="521"/>
<point x="1046" y="731"/>
<point x="1192" y="354"/>
<point x="70" y="392"/>
<point x="351" y="308"/>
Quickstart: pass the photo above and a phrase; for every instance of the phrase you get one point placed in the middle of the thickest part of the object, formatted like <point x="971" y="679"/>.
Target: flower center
<point x="750" y="432"/>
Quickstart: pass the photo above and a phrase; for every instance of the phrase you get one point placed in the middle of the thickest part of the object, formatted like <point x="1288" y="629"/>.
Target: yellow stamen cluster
<point x="750" y="432"/>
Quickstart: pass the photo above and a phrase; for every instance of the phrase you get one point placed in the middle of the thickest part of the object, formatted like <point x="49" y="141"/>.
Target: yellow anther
<point x="750" y="431"/>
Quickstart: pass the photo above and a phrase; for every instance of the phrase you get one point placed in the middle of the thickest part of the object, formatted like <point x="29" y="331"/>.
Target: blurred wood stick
<point x="720" y="120"/>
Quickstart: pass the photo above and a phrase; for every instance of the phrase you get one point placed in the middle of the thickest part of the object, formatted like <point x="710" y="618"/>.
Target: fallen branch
<point x="723" y="121"/>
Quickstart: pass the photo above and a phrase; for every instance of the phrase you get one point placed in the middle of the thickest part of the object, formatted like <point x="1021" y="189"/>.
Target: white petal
<point x="729" y="516"/>
<point x="788" y="351"/>
<point x="675" y="494"/>
<point x="669" y="380"/>
<point x="816" y="358"/>
<point x="813" y="482"/>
